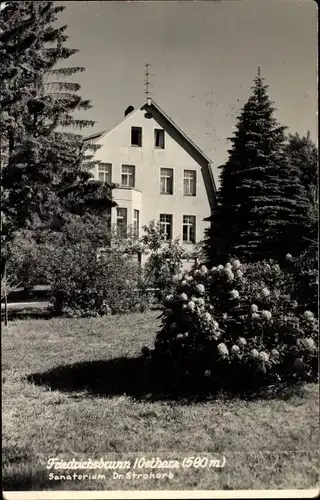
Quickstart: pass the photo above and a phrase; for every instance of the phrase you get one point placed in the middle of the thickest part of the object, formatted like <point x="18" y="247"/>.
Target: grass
<point x="68" y="392"/>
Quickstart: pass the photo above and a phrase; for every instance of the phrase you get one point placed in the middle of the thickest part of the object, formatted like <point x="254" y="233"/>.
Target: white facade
<point x="160" y="175"/>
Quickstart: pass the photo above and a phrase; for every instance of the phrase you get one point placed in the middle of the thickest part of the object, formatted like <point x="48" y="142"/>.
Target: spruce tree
<point x="45" y="164"/>
<point x="262" y="206"/>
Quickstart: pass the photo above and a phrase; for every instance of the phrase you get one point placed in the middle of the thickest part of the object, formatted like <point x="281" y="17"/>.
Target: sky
<point x="204" y="57"/>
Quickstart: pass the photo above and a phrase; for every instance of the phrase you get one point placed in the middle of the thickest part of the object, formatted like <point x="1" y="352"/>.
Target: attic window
<point x="136" y="136"/>
<point x="159" y="138"/>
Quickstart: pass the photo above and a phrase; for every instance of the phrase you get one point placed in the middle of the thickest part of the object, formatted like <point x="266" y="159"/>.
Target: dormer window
<point x="159" y="138"/>
<point x="136" y="136"/>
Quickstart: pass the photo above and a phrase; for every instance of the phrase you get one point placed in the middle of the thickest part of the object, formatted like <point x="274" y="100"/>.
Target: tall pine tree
<point x="262" y="209"/>
<point x="45" y="164"/>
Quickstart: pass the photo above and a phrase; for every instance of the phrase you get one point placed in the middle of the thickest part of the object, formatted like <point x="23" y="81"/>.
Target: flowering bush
<point x="237" y="325"/>
<point x="84" y="285"/>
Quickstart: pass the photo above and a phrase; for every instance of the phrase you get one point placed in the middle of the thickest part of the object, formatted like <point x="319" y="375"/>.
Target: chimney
<point x="128" y="110"/>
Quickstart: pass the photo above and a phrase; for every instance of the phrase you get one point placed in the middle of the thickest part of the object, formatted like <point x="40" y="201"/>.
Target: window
<point x="136" y="216"/>
<point x="159" y="138"/>
<point x="122" y="220"/>
<point x="104" y="172"/>
<point x="136" y="136"/>
<point x="128" y="176"/>
<point x="189" y="182"/>
<point x="189" y="229"/>
<point x="166" y="180"/>
<point x="166" y="226"/>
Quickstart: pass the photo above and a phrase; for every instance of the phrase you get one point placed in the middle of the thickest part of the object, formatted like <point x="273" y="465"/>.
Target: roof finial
<point x="147" y="83"/>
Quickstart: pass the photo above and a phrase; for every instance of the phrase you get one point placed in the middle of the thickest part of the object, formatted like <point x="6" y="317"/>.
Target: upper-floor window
<point x="122" y="220"/>
<point x="159" y="138"/>
<point x="189" y="229"/>
<point x="189" y="183"/>
<point x="166" y="226"/>
<point x="128" y="176"/>
<point x="166" y="180"/>
<point x="136" y="222"/>
<point x="136" y="136"/>
<point x="105" y="172"/>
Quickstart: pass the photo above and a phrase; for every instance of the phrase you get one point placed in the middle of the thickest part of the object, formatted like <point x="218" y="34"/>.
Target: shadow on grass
<point x="142" y="380"/>
<point x="28" y="313"/>
<point x="133" y="377"/>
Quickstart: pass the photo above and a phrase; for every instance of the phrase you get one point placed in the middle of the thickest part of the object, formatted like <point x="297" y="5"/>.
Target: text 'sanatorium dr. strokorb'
<point x="136" y="468"/>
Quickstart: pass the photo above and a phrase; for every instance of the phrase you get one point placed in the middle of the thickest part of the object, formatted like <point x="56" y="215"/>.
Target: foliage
<point x="303" y="153"/>
<point x="84" y="284"/>
<point x="236" y="327"/>
<point x="8" y="285"/>
<point x="303" y="279"/>
<point x="262" y="204"/>
<point x="45" y="166"/>
<point x="24" y="260"/>
<point x="165" y="260"/>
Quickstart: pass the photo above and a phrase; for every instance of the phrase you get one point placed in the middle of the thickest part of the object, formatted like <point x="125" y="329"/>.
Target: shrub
<point x="303" y="280"/>
<point x="165" y="260"/>
<point x="83" y="284"/>
<point x="236" y="327"/>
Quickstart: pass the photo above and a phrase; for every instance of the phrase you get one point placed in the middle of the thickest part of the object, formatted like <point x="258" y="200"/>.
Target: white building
<point x="160" y="173"/>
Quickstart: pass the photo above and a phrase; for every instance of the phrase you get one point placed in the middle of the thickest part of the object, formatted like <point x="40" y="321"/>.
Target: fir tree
<point x="262" y="208"/>
<point x="45" y="164"/>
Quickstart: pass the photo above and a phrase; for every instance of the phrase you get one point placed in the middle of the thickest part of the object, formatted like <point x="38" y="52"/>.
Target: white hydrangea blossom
<point x="255" y="316"/>
<point x="229" y="274"/>
<point x="241" y="341"/>
<point x="220" y="267"/>
<point x="200" y="301"/>
<point x="183" y="283"/>
<point x="191" y="305"/>
<point x="200" y="288"/>
<point x="207" y="316"/>
<point x="169" y="297"/>
<point x="254" y="308"/>
<point x="264" y="356"/>
<point x="236" y="265"/>
<point x="308" y="315"/>
<point x="204" y="269"/>
<point x="266" y="315"/>
<point x="235" y="294"/>
<point x="288" y="256"/>
<point x="184" y="296"/>
<point x="228" y="265"/>
<point x="265" y="292"/>
<point x="254" y="353"/>
<point x="235" y="349"/>
<point x="274" y="353"/>
<point x="308" y="343"/>
<point x="222" y="349"/>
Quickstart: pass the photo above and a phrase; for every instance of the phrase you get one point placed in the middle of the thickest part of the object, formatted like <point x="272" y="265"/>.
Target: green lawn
<point x="82" y="412"/>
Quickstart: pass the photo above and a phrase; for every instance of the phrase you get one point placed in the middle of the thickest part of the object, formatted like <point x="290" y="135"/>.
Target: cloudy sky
<point x="204" y="55"/>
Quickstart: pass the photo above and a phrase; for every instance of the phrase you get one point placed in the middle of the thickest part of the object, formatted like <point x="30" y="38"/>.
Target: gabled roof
<point x="150" y="103"/>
